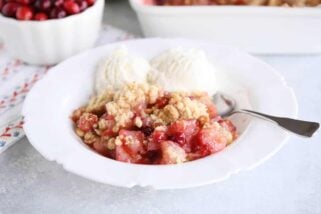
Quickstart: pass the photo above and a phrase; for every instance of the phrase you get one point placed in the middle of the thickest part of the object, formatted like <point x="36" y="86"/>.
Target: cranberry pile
<point x="41" y="10"/>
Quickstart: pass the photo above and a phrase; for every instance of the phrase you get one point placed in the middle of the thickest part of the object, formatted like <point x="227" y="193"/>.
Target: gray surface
<point x="290" y="182"/>
<point x="119" y="14"/>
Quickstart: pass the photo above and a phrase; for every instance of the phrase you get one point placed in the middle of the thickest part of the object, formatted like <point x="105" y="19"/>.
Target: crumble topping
<point x="97" y="103"/>
<point x="181" y="106"/>
<point x="131" y="97"/>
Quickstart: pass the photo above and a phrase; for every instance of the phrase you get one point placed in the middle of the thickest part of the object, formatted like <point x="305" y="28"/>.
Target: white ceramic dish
<point x="49" y="42"/>
<point x="67" y="86"/>
<point x="264" y="30"/>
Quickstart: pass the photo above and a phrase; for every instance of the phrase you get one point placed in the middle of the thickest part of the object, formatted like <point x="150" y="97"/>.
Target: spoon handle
<point x="300" y="127"/>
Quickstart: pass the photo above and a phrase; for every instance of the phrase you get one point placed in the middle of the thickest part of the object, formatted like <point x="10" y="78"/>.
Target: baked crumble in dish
<point x="143" y="124"/>
<point x="284" y="3"/>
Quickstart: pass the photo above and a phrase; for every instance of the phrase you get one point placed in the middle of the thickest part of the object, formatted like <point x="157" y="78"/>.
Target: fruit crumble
<point x="285" y="3"/>
<point x="142" y="123"/>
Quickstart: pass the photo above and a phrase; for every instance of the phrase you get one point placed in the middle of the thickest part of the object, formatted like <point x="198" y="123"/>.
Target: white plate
<point x="67" y="86"/>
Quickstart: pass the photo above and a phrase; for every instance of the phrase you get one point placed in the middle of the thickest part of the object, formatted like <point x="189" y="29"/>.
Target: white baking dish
<point x="265" y="30"/>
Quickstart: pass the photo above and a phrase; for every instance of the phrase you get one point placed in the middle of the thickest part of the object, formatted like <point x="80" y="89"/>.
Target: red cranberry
<point x="41" y="17"/>
<point x="37" y="5"/>
<point x="1" y="4"/>
<point x="24" y="13"/>
<point x="10" y="9"/>
<point x="57" y="13"/>
<point x="90" y="2"/>
<point x="46" y="5"/>
<point x="71" y="7"/>
<point x="25" y="1"/>
<point x="58" y="3"/>
<point x="43" y="5"/>
<point x="83" y="5"/>
<point x="147" y="130"/>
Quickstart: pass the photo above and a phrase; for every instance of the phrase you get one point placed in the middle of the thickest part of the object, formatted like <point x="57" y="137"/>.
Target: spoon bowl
<point x="227" y="106"/>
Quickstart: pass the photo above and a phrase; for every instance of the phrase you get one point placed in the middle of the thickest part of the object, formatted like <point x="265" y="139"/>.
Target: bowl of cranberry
<point x="45" y="32"/>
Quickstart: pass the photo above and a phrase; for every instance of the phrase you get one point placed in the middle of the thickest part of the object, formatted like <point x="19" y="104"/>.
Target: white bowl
<point x="71" y="83"/>
<point x="49" y="42"/>
<point x="277" y="30"/>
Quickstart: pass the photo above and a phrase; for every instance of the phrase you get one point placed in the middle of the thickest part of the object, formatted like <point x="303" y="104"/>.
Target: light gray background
<point x="290" y="182"/>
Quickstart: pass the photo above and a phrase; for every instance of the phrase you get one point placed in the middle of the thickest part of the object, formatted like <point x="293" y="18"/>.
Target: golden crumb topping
<point x="97" y="103"/>
<point x="128" y="99"/>
<point x="181" y="106"/>
<point x="124" y="105"/>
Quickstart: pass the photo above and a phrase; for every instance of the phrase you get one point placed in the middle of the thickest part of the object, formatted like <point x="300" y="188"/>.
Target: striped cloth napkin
<point x="16" y="80"/>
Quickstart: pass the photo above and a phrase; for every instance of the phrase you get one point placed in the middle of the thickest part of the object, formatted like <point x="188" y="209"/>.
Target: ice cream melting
<point x="174" y="70"/>
<point x="183" y="70"/>
<point x="121" y="68"/>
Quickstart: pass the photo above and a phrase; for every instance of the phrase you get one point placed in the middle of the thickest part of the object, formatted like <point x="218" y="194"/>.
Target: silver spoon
<point x="227" y="106"/>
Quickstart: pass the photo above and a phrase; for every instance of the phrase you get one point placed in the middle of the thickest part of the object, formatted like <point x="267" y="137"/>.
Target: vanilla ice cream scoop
<point x="183" y="70"/>
<point x="121" y="68"/>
